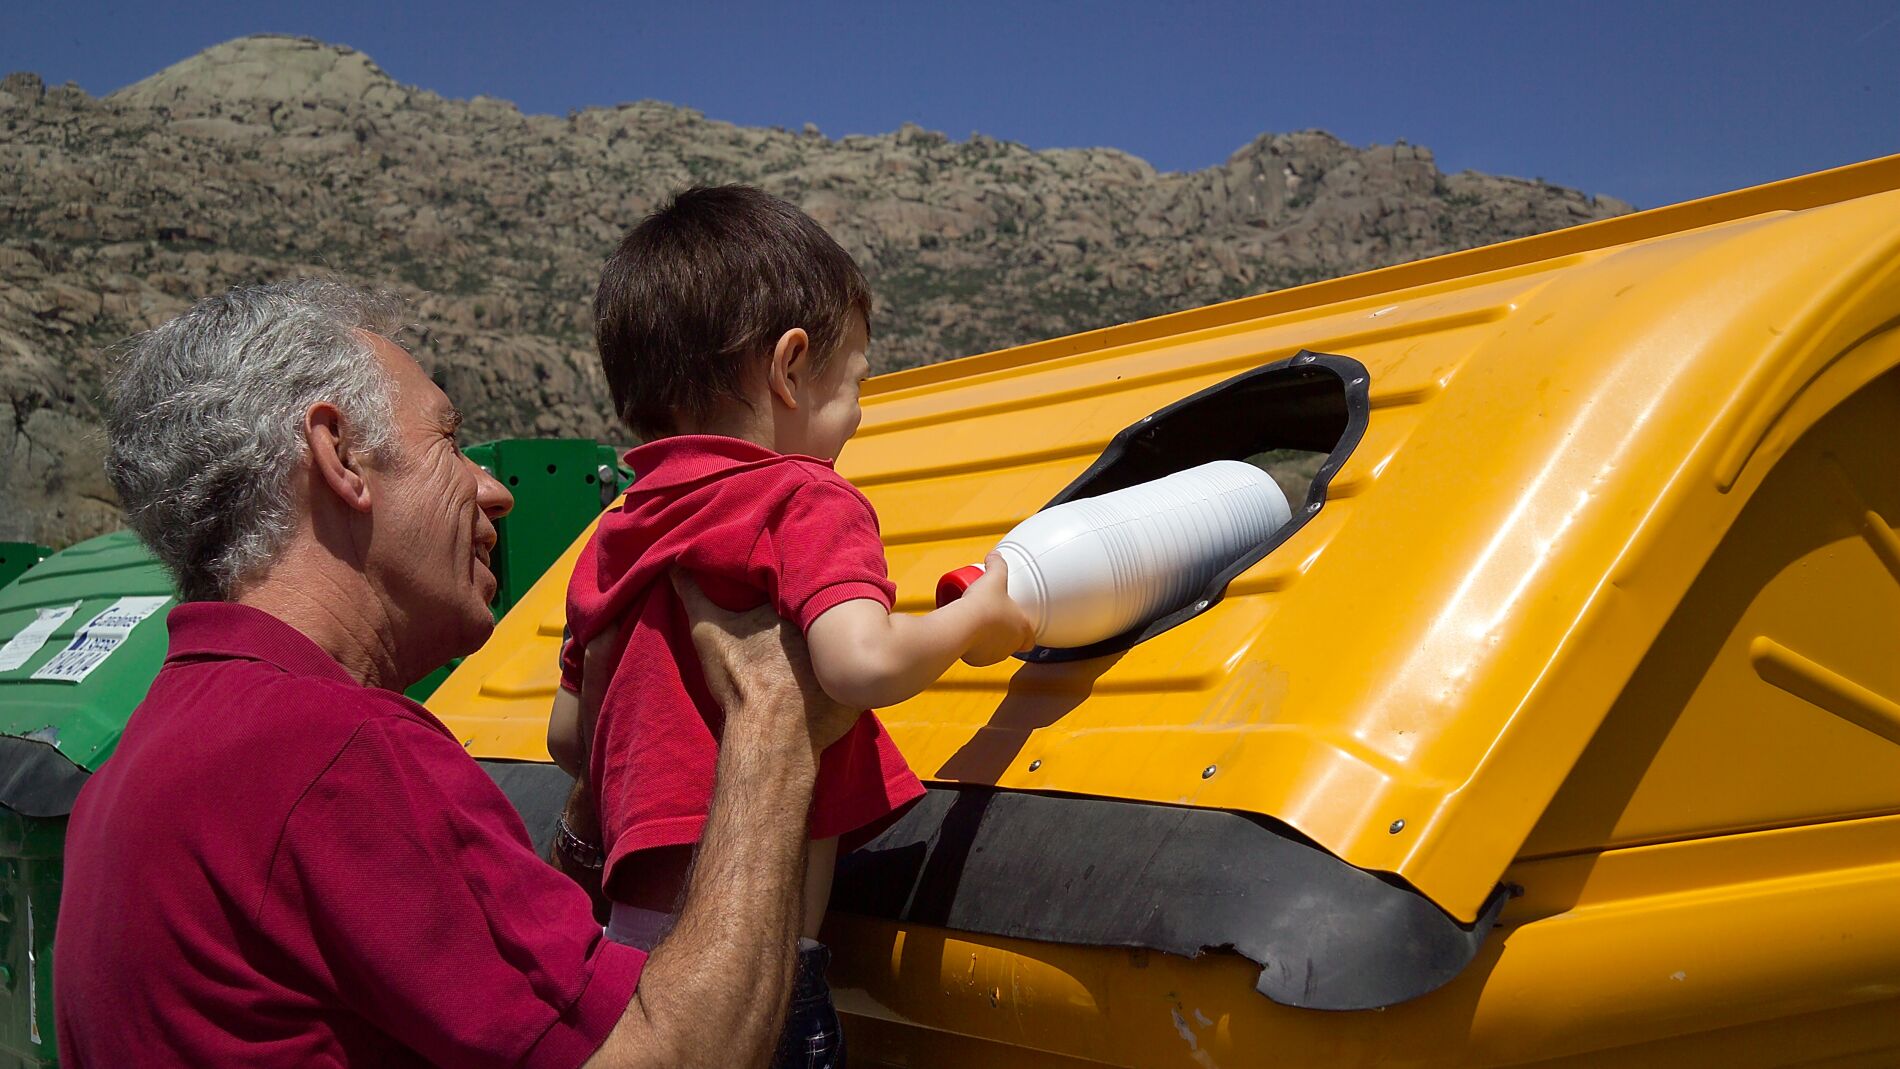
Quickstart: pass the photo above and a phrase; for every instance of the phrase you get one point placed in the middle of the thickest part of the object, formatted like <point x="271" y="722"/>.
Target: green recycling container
<point x="83" y="636"/>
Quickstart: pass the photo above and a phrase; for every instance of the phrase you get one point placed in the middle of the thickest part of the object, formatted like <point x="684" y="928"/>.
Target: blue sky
<point x="1652" y="102"/>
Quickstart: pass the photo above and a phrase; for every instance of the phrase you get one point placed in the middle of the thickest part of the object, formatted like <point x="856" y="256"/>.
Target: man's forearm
<point x="715" y="990"/>
<point x="738" y="929"/>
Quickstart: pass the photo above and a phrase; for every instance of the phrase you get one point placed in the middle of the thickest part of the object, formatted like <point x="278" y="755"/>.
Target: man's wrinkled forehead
<point x="413" y="390"/>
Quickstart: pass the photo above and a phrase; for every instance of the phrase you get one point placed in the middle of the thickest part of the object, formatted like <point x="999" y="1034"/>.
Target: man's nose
<point x="493" y="498"/>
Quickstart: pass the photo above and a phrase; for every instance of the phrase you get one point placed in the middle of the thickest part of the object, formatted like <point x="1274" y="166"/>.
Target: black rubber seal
<point x="36" y="780"/>
<point x="1102" y="872"/>
<point x="1317" y="402"/>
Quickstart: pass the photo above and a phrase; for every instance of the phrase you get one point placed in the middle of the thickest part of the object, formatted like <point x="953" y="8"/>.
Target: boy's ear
<point x="791" y="363"/>
<point x="335" y="459"/>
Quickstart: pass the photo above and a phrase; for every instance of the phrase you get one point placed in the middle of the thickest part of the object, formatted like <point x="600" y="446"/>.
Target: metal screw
<point x="1359" y="381"/>
<point x="609" y="484"/>
<point x="1208" y="772"/>
<point x="1036" y="764"/>
<point x="1200" y="606"/>
<point x="1313" y="507"/>
<point x="1397" y="827"/>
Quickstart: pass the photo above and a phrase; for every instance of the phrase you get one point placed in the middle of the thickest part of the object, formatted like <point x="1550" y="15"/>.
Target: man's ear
<point x="336" y="461"/>
<point x="791" y="363"/>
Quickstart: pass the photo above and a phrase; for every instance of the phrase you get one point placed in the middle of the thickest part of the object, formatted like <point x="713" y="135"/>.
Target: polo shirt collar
<point x="683" y="459"/>
<point x="227" y="629"/>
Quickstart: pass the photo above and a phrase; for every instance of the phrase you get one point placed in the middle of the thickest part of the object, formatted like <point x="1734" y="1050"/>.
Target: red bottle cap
<point x="954" y="583"/>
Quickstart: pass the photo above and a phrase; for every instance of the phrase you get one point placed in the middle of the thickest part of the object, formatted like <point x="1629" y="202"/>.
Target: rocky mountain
<point x="269" y="157"/>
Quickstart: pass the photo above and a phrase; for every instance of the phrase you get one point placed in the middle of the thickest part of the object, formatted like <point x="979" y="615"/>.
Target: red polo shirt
<point x="282" y="867"/>
<point x="752" y="527"/>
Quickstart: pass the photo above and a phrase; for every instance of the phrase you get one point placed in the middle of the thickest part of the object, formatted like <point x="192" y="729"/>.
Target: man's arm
<point x="714" y="991"/>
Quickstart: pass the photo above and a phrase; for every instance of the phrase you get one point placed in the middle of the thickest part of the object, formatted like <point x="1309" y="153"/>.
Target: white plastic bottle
<point x="1090" y="569"/>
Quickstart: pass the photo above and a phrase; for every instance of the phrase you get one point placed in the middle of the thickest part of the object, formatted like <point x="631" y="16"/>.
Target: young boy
<point x="732" y="330"/>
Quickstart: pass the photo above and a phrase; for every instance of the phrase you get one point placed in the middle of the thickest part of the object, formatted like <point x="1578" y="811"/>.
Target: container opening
<point x="1293" y="470"/>
<point x="1298" y="419"/>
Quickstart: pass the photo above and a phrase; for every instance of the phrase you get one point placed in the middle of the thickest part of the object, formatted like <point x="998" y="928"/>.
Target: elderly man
<point x="286" y="863"/>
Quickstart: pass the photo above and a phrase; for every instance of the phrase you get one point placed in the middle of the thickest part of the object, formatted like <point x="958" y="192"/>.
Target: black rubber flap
<point x="36" y="780"/>
<point x="538" y="792"/>
<point x="1102" y="872"/>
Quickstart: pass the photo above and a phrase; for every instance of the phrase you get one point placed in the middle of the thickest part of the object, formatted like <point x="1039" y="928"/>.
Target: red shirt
<point x="282" y="867"/>
<point x="752" y="527"/>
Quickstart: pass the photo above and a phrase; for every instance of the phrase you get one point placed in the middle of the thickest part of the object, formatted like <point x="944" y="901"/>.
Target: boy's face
<point x="828" y="400"/>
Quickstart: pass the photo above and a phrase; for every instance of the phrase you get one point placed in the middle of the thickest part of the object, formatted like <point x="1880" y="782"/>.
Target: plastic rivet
<point x="1208" y="772"/>
<point x="1036" y="764"/>
<point x="1397" y="827"/>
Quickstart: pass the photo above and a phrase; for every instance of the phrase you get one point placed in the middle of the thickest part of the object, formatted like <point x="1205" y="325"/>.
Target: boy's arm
<point x="564" y="732"/>
<point x="867" y="658"/>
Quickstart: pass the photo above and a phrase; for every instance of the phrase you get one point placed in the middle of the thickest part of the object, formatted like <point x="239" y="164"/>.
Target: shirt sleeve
<point x="823" y="549"/>
<point x="430" y="916"/>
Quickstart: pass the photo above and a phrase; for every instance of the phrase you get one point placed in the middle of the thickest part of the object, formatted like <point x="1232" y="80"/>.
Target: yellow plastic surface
<point x="1716" y="883"/>
<point x="1563" y="430"/>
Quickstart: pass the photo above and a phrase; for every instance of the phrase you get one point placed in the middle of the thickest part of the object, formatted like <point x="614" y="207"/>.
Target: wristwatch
<point x="576" y="849"/>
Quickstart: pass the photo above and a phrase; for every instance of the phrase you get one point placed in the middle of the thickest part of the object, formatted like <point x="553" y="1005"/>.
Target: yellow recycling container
<point x="1561" y="727"/>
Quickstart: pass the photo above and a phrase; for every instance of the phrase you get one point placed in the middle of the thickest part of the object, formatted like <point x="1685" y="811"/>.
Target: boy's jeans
<point x="812" y="1038"/>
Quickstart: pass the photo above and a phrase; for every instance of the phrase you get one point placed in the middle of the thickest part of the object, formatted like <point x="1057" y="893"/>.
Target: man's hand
<point x="757" y="664"/>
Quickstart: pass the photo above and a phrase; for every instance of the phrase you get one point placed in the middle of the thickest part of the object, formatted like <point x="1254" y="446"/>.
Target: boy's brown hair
<point x="707" y="284"/>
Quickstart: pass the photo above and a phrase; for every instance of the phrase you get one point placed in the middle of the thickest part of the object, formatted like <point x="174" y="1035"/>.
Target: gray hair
<point x="205" y="419"/>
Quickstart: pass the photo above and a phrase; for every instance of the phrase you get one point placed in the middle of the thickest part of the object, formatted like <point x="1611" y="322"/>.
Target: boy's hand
<point x="1006" y="629"/>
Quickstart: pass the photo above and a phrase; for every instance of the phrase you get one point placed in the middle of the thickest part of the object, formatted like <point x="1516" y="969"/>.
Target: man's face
<point x="432" y="522"/>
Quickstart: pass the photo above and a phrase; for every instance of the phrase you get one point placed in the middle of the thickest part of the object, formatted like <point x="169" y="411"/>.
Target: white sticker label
<point x="96" y="641"/>
<point x="24" y="645"/>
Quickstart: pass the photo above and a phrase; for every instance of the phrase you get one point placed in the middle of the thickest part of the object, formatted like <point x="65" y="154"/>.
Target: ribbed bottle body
<point x="1091" y="569"/>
